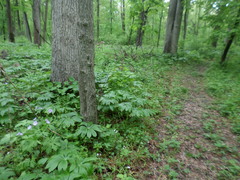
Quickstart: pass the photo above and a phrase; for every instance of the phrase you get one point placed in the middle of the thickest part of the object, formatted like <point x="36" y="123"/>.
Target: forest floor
<point x="198" y="143"/>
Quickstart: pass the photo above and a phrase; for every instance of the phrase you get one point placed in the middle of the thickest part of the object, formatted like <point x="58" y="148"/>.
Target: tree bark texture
<point x="36" y="21"/>
<point x="131" y="31"/>
<point x="98" y="19"/>
<point x="173" y="26"/>
<point x="231" y="38"/>
<point x="10" y="23"/>
<point x="185" y="21"/>
<point x="123" y="14"/>
<point x="45" y="21"/>
<point x="65" y="55"/>
<point x="3" y="29"/>
<point x="87" y="87"/>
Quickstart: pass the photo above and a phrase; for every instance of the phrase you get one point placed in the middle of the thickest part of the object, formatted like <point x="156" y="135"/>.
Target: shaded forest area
<point x="119" y="89"/>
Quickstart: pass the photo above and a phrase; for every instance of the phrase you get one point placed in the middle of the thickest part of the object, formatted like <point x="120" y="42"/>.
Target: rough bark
<point x="36" y="21"/>
<point x="231" y="38"/>
<point x="173" y="26"/>
<point x="185" y="21"/>
<point x="160" y="27"/>
<point x="9" y="20"/>
<point x="123" y="14"/>
<point x="65" y="16"/>
<point x="98" y="19"/>
<point x="111" y="16"/>
<point x="45" y="21"/>
<point x="177" y="26"/>
<point x="87" y="87"/>
<point x="3" y="29"/>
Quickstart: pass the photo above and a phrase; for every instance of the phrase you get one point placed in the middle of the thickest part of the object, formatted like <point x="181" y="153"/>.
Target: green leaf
<point x="53" y="162"/>
<point x="6" y="173"/>
<point x="63" y="165"/>
<point x="42" y="161"/>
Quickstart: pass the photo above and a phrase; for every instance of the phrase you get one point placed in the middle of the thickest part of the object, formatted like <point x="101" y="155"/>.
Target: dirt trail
<point x="205" y="136"/>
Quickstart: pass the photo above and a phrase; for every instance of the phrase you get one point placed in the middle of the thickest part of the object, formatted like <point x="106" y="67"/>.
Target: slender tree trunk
<point x="185" y="21"/>
<point x="45" y="21"/>
<point x="123" y="16"/>
<point x="173" y="26"/>
<point x="28" y="30"/>
<point x="18" y="15"/>
<point x="36" y="22"/>
<point x="10" y="25"/>
<point x="111" y="16"/>
<point x="98" y="19"/>
<point x="131" y="31"/>
<point x="87" y="87"/>
<point x="143" y="22"/>
<point x="65" y="55"/>
<point x="160" y="27"/>
<point x="3" y="29"/>
<point x="231" y="38"/>
<point x="215" y="36"/>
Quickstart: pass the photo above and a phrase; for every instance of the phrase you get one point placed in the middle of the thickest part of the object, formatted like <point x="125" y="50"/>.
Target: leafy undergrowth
<point x="43" y="135"/>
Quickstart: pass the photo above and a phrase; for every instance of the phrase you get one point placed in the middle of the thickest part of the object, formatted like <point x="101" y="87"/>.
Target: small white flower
<point x="47" y="121"/>
<point x="29" y="127"/>
<point x="35" y="123"/>
<point x="8" y="152"/>
<point x="50" y="111"/>
<point x="5" y="83"/>
<point x="128" y="167"/>
<point x="19" y="134"/>
<point x="35" y="119"/>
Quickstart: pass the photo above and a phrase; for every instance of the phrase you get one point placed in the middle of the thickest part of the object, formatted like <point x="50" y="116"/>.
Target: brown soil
<point x="198" y="158"/>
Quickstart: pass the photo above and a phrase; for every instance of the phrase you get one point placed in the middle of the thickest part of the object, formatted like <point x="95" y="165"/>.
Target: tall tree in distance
<point x="111" y="16"/>
<point x="87" y="87"/>
<point x="98" y="19"/>
<point x="173" y="26"/>
<point x="25" y="20"/>
<point x="36" y="21"/>
<point x="18" y="15"/>
<point x="45" y="21"/>
<point x="185" y="20"/>
<point x="10" y="22"/>
<point x="123" y="14"/>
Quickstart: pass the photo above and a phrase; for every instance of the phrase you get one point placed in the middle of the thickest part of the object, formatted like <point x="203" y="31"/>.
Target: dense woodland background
<point x="158" y="82"/>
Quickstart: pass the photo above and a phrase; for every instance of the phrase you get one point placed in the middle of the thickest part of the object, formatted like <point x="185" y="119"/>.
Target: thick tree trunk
<point x="18" y="15"/>
<point x="231" y="38"/>
<point x="98" y="19"/>
<point x="177" y="26"/>
<point x="65" y="55"/>
<point x="36" y="22"/>
<point x="160" y="27"/>
<point x="28" y="30"/>
<point x="111" y="16"/>
<point x="10" y="25"/>
<point x="87" y="87"/>
<point x="45" y="21"/>
<point x="123" y="14"/>
<point x="173" y="26"/>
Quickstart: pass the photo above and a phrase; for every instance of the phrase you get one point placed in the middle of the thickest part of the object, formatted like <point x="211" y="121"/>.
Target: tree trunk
<point x="177" y="26"/>
<point x="36" y="21"/>
<point x="87" y="87"/>
<point x="231" y="38"/>
<point x="98" y="19"/>
<point x="45" y="21"/>
<point x="131" y="31"/>
<point x="3" y="29"/>
<point x="185" y="21"/>
<point x="159" y="28"/>
<point x="111" y="16"/>
<point x="18" y="15"/>
<point x="10" y="25"/>
<point x="28" y="30"/>
<point x="215" y="36"/>
<point x="123" y="16"/>
<point x="173" y="26"/>
<point x="65" y="16"/>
